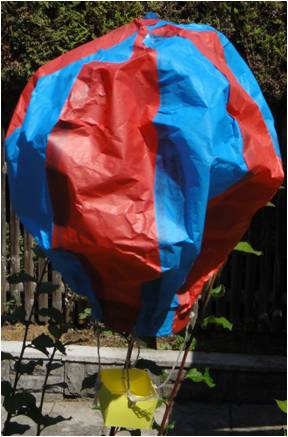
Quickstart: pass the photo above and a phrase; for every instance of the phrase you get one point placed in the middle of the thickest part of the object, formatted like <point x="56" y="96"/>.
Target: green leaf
<point x="156" y="426"/>
<point x="13" y="428"/>
<point x="246" y="247"/>
<point x="164" y="374"/>
<point x="193" y="344"/>
<point x="196" y="376"/>
<point x="53" y="314"/>
<point x="6" y="356"/>
<point x="18" y="315"/>
<point x="219" y="321"/>
<point x="270" y="204"/>
<point x="171" y="426"/>
<point x="42" y="342"/>
<point x="208" y="379"/>
<point x="160" y="402"/>
<point x="86" y="313"/>
<point x="13" y="404"/>
<point x="27" y="367"/>
<point x="35" y="414"/>
<point x="282" y="405"/>
<point x="47" y="287"/>
<point x="218" y="292"/>
<point x="22" y="276"/>
<point x="150" y="365"/>
<point x="55" y="331"/>
<point x="107" y="333"/>
<point x="6" y="388"/>
<point x="60" y="346"/>
<point x="39" y="252"/>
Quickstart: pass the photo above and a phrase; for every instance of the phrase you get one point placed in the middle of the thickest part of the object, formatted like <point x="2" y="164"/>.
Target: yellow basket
<point x="113" y="398"/>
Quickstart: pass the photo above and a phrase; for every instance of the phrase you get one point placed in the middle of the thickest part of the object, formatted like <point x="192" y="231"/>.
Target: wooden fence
<point x="255" y="285"/>
<point x="255" y="297"/>
<point x="17" y="254"/>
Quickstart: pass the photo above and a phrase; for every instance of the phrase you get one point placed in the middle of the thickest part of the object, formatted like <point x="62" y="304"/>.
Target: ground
<point x="191" y="418"/>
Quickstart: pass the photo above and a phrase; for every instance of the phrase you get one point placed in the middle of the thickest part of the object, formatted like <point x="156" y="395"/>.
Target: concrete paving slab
<point x="254" y="419"/>
<point x="191" y="418"/>
<point x="211" y="419"/>
<point x="84" y="420"/>
<point x="199" y="418"/>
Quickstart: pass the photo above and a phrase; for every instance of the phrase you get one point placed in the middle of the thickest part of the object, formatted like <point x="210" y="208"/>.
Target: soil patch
<point x="81" y="336"/>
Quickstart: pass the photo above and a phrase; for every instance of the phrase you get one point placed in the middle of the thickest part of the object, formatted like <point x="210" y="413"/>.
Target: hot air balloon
<point x="137" y="161"/>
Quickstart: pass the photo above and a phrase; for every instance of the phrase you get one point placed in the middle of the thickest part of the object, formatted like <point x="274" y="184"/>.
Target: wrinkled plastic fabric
<point x="137" y="162"/>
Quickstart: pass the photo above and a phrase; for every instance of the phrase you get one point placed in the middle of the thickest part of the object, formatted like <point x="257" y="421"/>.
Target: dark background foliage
<point x="37" y="31"/>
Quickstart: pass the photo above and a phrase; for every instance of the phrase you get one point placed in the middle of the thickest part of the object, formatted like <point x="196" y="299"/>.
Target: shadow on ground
<point x="209" y="419"/>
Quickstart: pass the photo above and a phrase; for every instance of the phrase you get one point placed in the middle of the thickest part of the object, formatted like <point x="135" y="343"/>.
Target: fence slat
<point x="266" y="271"/>
<point x="69" y="309"/>
<point x="57" y="295"/>
<point x="29" y="287"/>
<point x="3" y="230"/>
<point x="43" y="297"/>
<point x="249" y="293"/>
<point x="15" y="254"/>
<point x="236" y="288"/>
<point x="220" y="303"/>
<point x="279" y="282"/>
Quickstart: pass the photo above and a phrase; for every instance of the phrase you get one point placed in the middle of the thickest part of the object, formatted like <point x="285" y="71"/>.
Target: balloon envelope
<point x="137" y="162"/>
